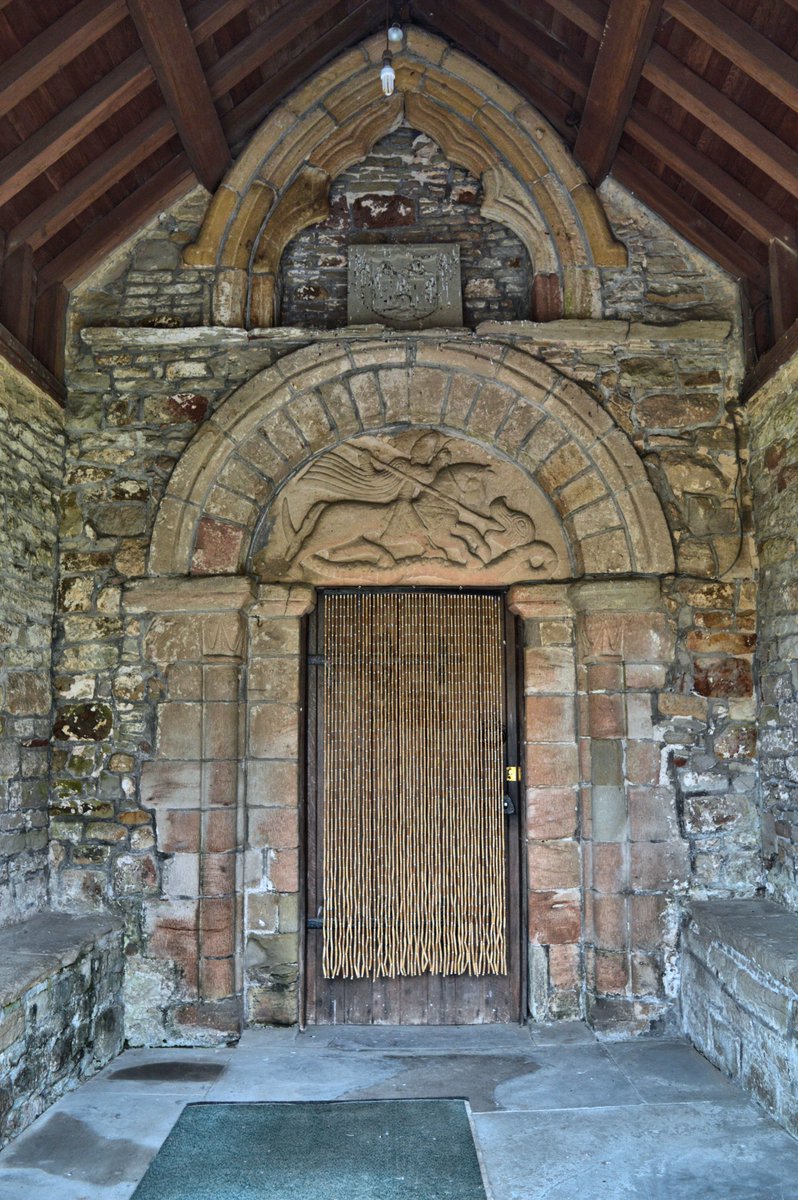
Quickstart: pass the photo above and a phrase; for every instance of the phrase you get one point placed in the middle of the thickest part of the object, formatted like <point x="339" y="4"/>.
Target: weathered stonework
<point x="773" y="415"/>
<point x="60" y="1010"/>
<point x="31" y="471"/>
<point x="188" y="445"/>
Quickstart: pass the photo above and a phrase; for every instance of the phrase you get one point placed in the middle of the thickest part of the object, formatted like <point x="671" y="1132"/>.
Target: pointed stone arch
<point x="280" y="184"/>
<point x="495" y="395"/>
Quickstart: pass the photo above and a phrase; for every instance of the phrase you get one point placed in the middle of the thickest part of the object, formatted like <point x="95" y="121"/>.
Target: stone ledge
<point x="522" y="333"/>
<point x="39" y="947"/>
<point x="760" y="932"/>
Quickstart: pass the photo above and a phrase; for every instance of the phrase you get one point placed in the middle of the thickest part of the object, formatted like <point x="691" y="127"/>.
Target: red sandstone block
<point x="217" y="920"/>
<point x="647" y="921"/>
<point x="551" y="812"/>
<point x="219" y="832"/>
<point x="549" y="669"/>
<point x="654" y="865"/>
<point x="553" y="866"/>
<point x="611" y="973"/>
<point x="549" y="718"/>
<point x="608" y="866"/>
<point x="273" y="782"/>
<point x="217" y="978"/>
<point x="554" y="917"/>
<point x="274" y="730"/>
<point x="609" y="930"/>
<point x="177" y="940"/>
<point x="220" y="735"/>
<point x="179" y="731"/>
<point x="564" y="966"/>
<point x="220" y="783"/>
<point x="652" y="814"/>
<point x="648" y="638"/>
<point x="217" y="548"/>
<point x="723" y="677"/>
<point x="217" y="874"/>
<point x="604" y="677"/>
<point x="646" y="975"/>
<point x="177" y="831"/>
<point x="646" y="676"/>
<point x="642" y="762"/>
<point x="551" y="765"/>
<point x="284" y="870"/>
<point x="606" y="715"/>
<point x="273" y="828"/>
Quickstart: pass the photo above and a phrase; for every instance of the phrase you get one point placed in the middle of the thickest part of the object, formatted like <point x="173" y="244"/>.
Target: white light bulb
<point x="387" y="76"/>
<point x="395" y="35"/>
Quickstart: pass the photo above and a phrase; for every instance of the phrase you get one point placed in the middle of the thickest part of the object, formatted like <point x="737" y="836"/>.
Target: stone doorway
<point x="412" y="867"/>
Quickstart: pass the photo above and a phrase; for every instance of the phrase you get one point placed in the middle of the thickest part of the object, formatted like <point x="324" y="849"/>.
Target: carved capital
<point x="539" y="602"/>
<point x="223" y="635"/>
<point x="284" y="600"/>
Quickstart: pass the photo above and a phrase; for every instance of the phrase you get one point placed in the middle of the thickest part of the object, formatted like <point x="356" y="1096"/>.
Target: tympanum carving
<point x="414" y="507"/>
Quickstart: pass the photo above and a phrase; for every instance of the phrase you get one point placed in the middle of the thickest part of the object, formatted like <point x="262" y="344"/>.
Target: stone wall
<point x="60" y="1010"/>
<point x="405" y="191"/>
<point x="31" y="469"/>
<point x="773" y="415"/>
<point x="141" y="388"/>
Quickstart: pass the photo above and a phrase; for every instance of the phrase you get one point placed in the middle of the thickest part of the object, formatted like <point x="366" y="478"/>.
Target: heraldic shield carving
<point x="414" y="287"/>
<point x="410" y="508"/>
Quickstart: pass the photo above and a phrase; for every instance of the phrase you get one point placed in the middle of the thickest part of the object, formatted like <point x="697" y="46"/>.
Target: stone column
<point x="551" y="775"/>
<point x="632" y="849"/>
<point x="274" y="747"/>
<point x="195" y="633"/>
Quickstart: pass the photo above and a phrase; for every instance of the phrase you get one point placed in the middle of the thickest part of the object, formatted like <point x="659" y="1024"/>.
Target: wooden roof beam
<point x="539" y="47"/>
<point x="627" y="39"/>
<point x="588" y="15"/>
<point x="17" y="293"/>
<point x="705" y="176"/>
<point x="443" y="18"/>
<point x="88" y="185"/>
<point x="165" y="35"/>
<point x="662" y="200"/>
<point x="785" y="349"/>
<point x="723" y="117"/>
<point x="783" y="263"/>
<point x="56" y="46"/>
<point x="278" y="31"/>
<point x="209" y="16"/>
<point x="743" y="45"/>
<point x="168" y="184"/>
<point x="59" y="135"/>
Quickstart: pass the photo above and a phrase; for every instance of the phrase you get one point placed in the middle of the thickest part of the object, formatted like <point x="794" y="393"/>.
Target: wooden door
<point x="412" y="858"/>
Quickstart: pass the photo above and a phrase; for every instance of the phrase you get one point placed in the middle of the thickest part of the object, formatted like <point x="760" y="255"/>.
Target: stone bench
<point x="60" y="1009"/>
<point x="740" y="997"/>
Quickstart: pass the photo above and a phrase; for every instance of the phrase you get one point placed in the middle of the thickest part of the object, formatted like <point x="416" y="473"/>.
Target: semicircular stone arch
<point x="280" y="183"/>
<point x="585" y="474"/>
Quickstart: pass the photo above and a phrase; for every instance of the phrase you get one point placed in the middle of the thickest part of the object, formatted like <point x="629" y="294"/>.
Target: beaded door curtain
<point x="414" y="830"/>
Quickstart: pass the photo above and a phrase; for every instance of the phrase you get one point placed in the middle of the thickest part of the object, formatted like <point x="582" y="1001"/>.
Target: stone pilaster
<point x="632" y="850"/>
<point x="195" y="633"/>
<point x="551" y="775"/>
<point x="274" y="734"/>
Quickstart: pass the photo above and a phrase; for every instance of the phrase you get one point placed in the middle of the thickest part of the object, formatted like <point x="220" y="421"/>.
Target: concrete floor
<point x="557" y="1114"/>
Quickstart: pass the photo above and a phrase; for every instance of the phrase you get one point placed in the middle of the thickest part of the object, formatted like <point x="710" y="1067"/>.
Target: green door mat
<point x="322" y="1150"/>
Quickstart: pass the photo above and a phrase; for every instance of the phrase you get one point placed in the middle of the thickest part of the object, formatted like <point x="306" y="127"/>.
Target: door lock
<point x="512" y="774"/>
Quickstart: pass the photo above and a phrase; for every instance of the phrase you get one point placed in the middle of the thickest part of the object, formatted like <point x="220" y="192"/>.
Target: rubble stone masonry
<point x="31" y="469"/>
<point x="676" y="717"/>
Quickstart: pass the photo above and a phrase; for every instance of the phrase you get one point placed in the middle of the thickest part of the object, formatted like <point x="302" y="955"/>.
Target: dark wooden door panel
<point x="401" y="766"/>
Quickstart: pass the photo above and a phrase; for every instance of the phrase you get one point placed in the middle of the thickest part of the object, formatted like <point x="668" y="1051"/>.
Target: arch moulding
<point x="280" y="184"/>
<point x="594" y="496"/>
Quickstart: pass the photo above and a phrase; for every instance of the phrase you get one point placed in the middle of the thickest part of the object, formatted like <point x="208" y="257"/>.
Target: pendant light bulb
<point x="395" y="35"/>
<point x="387" y="74"/>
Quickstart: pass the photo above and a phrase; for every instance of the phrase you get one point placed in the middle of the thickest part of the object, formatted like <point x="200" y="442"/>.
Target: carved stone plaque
<point x="412" y="507"/>
<point x="411" y="287"/>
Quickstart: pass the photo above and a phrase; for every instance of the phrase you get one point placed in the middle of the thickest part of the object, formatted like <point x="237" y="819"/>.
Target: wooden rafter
<point x="540" y="48"/>
<point x="627" y="38"/>
<point x="741" y="44"/>
<point x="767" y="366"/>
<point x="709" y="179"/>
<point x="723" y="117"/>
<point x="278" y="31"/>
<point x="587" y="15"/>
<point x="17" y="293"/>
<point x="58" y="45"/>
<point x="783" y="263"/>
<point x="649" y="188"/>
<point x="167" y="41"/>
<point x="209" y="16"/>
<point x="48" y="144"/>
<point x="78" y="260"/>
<point x="93" y="181"/>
